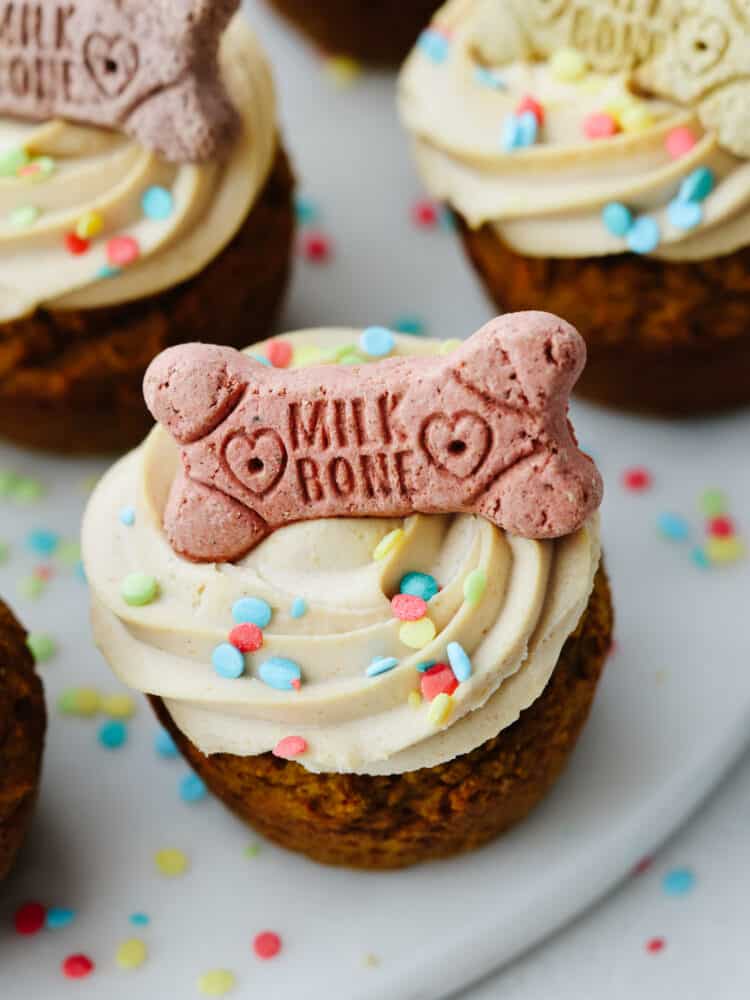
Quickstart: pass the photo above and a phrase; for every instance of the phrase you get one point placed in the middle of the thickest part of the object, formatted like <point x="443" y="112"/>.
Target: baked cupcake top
<point x="94" y="216"/>
<point x="583" y="128"/>
<point x="368" y="644"/>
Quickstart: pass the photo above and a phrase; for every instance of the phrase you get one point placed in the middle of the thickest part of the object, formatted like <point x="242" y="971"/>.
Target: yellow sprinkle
<point x="118" y="706"/>
<point x="448" y="346"/>
<point x="131" y="954"/>
<point x="216" y="983"/>
<point x="635" y="118"/>
<point x="386" y="545"/>
<point x="415" y="635"/>
<point x="725" y="550"/>
<point x="415" y="699"/>
<point x="307" y="354"/>
<point x="79" y="701"/>
<point x="440" y="709"/>
<point x="342" y="70"/>
<point x="568" y="65"/>
<point x="89" y="225"/>
<point x="171" y="862"/>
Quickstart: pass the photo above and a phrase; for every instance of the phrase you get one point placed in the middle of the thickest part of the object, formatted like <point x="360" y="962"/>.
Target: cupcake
<point x="596" y="159"/>
<point x="380" y="33"/>
<point x="319" y="599"/>
<point x="22" y="724"/>
<point x="125" y="231"/>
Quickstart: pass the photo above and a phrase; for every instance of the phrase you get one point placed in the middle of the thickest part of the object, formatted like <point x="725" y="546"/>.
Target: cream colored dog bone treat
<point x="482" y="431"/>
<point x="149" y="67"/>
<point x="694" y="52"/>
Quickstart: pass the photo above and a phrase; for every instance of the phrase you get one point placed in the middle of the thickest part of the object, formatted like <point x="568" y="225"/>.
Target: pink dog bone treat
<point x="482" y="431"/>
<point x="149" y="67"/>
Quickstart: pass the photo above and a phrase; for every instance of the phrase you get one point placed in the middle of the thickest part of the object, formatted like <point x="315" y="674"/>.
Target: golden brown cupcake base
<point x="399" y="820"/>
<point x="70" y="381"/>
<point x="380" y="32"/>
<point x="22" y="725"/>
<point x="665" y="337"/>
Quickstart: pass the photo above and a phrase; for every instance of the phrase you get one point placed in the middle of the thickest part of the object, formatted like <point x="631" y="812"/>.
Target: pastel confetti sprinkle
<point x="713" y="502"/>
<point x="192" y="788"/>
<point x="520" y="131"/>
<point x="673" y="527"/>
<point x="122" y="250"/>
<point x="438" y="680"/>
<point x="252" y="850"/>
<point x="43" y="543"/>
<point x="530" y="104"/>
<point x="316" y="247"/>
<point x="157" y="203"/>
<point x="459" y="661"/>
<point x="228" y="661"/>
<point x="290" y="747"/>
<point x="475" y="585"/>
<point x="280" y="673"/>
<point x="248" y="638"/>
<point x="29" y="919"/>
<point x="678" y="882"/>
<point x="164" y="744"/>
<point x="38" y="169"/>
<point x="568" y="65"/>
<point x="377" y="341"/>
<point x="58" y="918"/>
<point x="139" y="919"/>
<point x="23" y="216"/>
<point x="171" y="862"/>
<point x="680" y="141"/>
<point x="127" y="516"/>
<point x="617" y="218"/>
<point x="43" y="647"/>
<point x="635" y="118"/>
<point x="637" y="480"/>
<point x="343" y="71"/>
<point x="75" y="244"/>
<point x="12" y="160"/>
<point x="306" y="210"/>
<point x="699" y="558"/>
<point x="449" y="346"/>
<point x="412" y="325"/>
<point x="216" y="982"/>
<point x="31" y="587"/>
<point x="434" y="46"/>
<point x="600" y="125"/>
<point x="139" y="589"/>
<point x="408" y="607"/>
<point x="419" y="585"/>
<point x="724" y="551"/>
<point x="83" y="702"/>
<point x="425" y="213"/>
<point x="655" y="945"/>
<point x="490" y="78"/>
<point x="644" y="235"/>
<point x="427" y="665"/>
<point x="89" y="225"/>
<point x="381" y="665"/>
<point x="415" y="635"/>
<point x="387" y="544"/>
<point x="299" y="607"/>
<point x="254" y="610"/>
<point x="113" y="734"/>
<point x="118" y="706"/>
<point x="131" y="954"/>
<point x="698" y="185"/>
<point x="440" y="710"/>
<point x="415" y="699"/>
<point x="280" y="353"/>
<point x="720" y="526"/>
<point x="261" y="359"/>
<point x="685" y="215"/>
<point x="107" y="271"/>
<point x="267" y="944"/>
<point x="77" y="967"/>
<point x="69" y="553"/>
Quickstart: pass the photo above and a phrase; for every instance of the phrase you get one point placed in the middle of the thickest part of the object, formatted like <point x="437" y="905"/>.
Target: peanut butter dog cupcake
<point x="596" y="157"/>
<point x="145" y="200"/>
<point x="22" y="725"/>
<point x="365" y="597"/>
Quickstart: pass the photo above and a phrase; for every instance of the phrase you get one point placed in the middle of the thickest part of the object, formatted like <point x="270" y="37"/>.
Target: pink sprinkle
<point x="439" y="679"/>
<point x="408" y="607"/>
<point x="655" y="945"/>
<point x="680" y="142"/>
<point x="529" y="103"/>
<point x="279" y="353"/>
<point x="43" y="572"/>
<point x="425" y="213"/>
<point x="721" y="527"/>
<point x="267" y="944"/>
<point x="289" y="747"/>
<point x="637" y="479"/>
<point x="599" y="125"/>
<point x="77" y="966"/>
<point x="247" y="637"/>
<point x="316" y="248"/>
<point x="29" y="918"/>
<point x="122" y="250"/>
<point x="296" y="684"/>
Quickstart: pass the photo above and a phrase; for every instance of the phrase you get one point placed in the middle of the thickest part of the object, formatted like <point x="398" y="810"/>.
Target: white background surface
<point x="673" y="710"/>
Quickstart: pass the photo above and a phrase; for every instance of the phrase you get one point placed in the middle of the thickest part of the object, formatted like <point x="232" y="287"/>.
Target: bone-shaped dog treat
<point x="693" y="52"/>
<point x="483" y="431"/>
<point x="148" y="67"/>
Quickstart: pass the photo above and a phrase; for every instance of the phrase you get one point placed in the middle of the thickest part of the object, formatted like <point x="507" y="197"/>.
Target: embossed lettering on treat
<point x="482" y="431"/>
<point x="149" y="67"/>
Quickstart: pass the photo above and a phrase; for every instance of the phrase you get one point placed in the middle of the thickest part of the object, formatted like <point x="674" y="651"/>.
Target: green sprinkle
<point x="410" y="324"/>
<point x="69" y="553"/>
<point x="4" y="552"/>
<point x="31" y="587"/>
<point x="43" y="646"/>
<point x="713" y="503"/>
<point x="79" y="701"/>
<point x="252" y="850"/>
<point x="138" y="589"/>
<point x="11" y="161"/>
<point x="23" y="216"/>
<point x="8" y="483"/>
<point x="475" y="585"/>
<point x="27" y="490"/>
<point x="39" y="169"/>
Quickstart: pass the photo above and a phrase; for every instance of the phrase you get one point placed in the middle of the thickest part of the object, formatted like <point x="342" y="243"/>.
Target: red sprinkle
<point x="76" y="245"/>
<point x="290" y="746"/>
<point x="77" y="967"/>
<point x="408" y="607"/>
<point x="279" y="353"/>
<point x="643" y="866"/>
<point x="425" y="213"/>
<point x="637" y="479"/>
<point x="248" y="638"/>
<point x="655" y="945"/>
<point x="599" y="125"/>
<point x="439" y="679"/>
<point x="721" y="527"/>
<point x="267" y="944"/>
<point x="529" y="103"/>
<point x="29" y="918"/>
<point x="316" y="247"/>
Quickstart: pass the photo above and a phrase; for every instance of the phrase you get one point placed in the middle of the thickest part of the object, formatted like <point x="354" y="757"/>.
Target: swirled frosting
<point x="547" y="199"/>
<point x="68" y="174"/>
<point x="535" y="595"/>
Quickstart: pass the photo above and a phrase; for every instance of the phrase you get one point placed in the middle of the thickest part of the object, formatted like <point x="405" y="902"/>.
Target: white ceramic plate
<point x="672" y="713"/>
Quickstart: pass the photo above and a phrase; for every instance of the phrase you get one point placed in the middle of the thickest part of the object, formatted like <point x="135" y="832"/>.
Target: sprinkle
<point x="439" y="679"/>
<point x="460" y="661"/>
<point x="699" y="558"/>
<point x="171" y="862"/>
<point x="43" y="543"/>
<point x="635" y="118"/>
<point x="23" y="216"/>
<point x="568" y="65"/>
<point x="77" y="967"/>
<point x="165" y="745"/>
<point x="425" y="213"/>
<point x="307" y="354"/>
<point x="228" y="661"/>
<point x="139" y="919"/>
<point x="678" y="882"/>
<point x="12" y="160"/>
<point x="440" y="710"/>
<point x="387" y="544"/>
<point x="381" y="665"/>
<point x="415" y="699"/>
<point x="655" y="945"/>
<point x="412" y="325"/>
<point x="118" y="706"/>
<point x="139" y="589"/>
<point x="289" y="747"/>
<point x="192" y="788"/>
<point x="449" y="346"/>
<point x="157" y="203"/>
<point x="131" y="954"/>
<point x="252" y="850"/>
<point x="427" y="665"/>
<point x="316" y="247"/>
<point x="113" y="734"/>
<point x="4" y="552"/>
<point x="108" y="272"/>
<point x="279" y="353"/>
<point x="27" y="490"/>
<point x="31" y="587"/>
<point x="721" y="526"/>
<point x="280" y="673"/>
<point x="306" y="210"/>
<point x="475" y="585"/>
<point x="38" y="169"/>
<point x="599" y="125"/>
<point x="713" y="502"/>
<point x="377" y="341"/>
<point x="419" y="585"/>
<point x="29" y="919"/>
<point x="489" y="78"/>
<point x="673" y="527"/>
<point x="43" y="646"/>
<point x="680" y="142"/>
<point x="261" y="359"/>
<point x="519" y="131"/>
<point x="343" y="71"/>
<point x="89" y="225"/>
<point x="529" y="103"/>
<point x="685" y="215"/>
<point x="698" y="185"/>
<point x="127" y="516"/>
<point x="637" y="479"/>
<point x="723" y="551"/>
<point x="617" y="218"/>
<point x="299" y="607"/>
<point x="216" y="983"/>
<point x="59" y="918"/>
<point x="248" y="638"/>
<point x="83" y="702"/>
<point x="252" y="609"/>
<point x="434" y="46"/>
<point x="75" y="245"/>
<point x="644" y="235"/>
<point x="267" y="944"/>
<point x="408" y="607"/>
<point x="415" y="635"/>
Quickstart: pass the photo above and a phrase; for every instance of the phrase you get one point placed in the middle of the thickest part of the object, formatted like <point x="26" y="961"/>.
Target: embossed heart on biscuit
<point x="257" y="460"/>
<point x="458" y="444"/>
<point x="112" y="62"/>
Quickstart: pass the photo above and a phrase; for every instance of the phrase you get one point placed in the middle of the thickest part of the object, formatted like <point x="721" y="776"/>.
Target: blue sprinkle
<point x="58" y="917"/>
<point x="528" y="124"/>
<point x="427" y="665"/>
<point x="617" y="218"/>
<point x="305" y="210"/>
<point x="678" y="882"/>
<point x="644" y="236"/>
<point x="381" y="665"/>
<point x="511" y="134"/>
<point x="685" y="214"/>
<point x="262" y="359"/>
<point x="253" y="610"/>
<point x="113" y="734"/>
<point x="434" y="45"/>
<point x="700" y="558"/>
<point x="127" y="516"/>
<point x="157" y="203"/>
<point x="192" y="789"/>
<point x="459" y="661"/>
<point x="228" y="661"/>
<point x="419" y="585"/>
<point x="698" y="185"/>
<point x="489" y="78"/>
<point x="80" y="571"/>
<point x="280" y="673"/>
<point x="447" y="219"/>
<point x="108" y="271"/>
<point x="299" y="607"/>
<point x="377" y="341"/>
<point x="139" y="919"/>
<point x="43" y="543"/>
<point x="412" y="325"/>
<point x="674" y="527"/>
<point x="164" y="744"/>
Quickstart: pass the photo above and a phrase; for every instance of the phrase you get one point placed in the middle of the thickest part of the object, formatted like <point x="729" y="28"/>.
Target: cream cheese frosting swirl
<point x="547" y="199"/>
<point x="535" y="595"/>
<point x="57" y="177"/>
